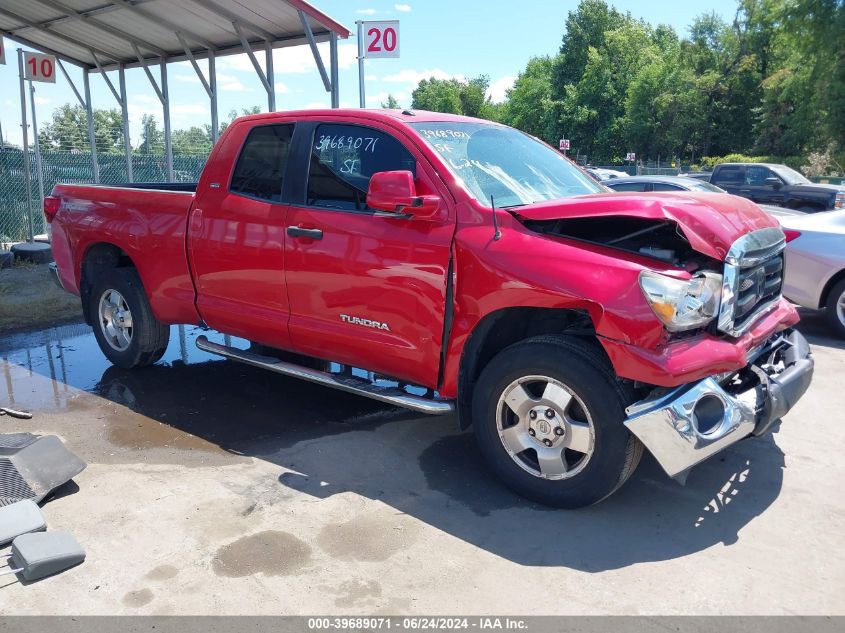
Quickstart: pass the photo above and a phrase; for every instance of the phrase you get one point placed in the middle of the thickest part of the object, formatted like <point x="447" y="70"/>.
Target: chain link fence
<point x="73" y="167"/>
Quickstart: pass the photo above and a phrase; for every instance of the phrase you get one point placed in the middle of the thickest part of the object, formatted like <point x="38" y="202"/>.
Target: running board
<point x="347" y="382"/>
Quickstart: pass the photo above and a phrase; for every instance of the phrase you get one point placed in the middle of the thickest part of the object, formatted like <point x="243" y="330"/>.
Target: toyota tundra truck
<point x="451" y="265"/>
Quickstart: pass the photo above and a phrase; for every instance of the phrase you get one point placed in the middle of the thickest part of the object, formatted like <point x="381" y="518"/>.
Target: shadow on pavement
<point x="329" y="442"/>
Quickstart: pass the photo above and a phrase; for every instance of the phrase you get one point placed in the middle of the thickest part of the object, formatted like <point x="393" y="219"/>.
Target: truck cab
<point x="777" y="185"/>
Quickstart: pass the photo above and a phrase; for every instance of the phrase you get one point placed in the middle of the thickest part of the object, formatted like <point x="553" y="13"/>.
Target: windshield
<point x="505" y="164"/>
<point x="705" y="186"/>
<point x="789" y="175"/>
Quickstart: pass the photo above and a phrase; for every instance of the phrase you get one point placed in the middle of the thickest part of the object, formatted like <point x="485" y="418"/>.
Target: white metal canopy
<point x="105" y="35"/>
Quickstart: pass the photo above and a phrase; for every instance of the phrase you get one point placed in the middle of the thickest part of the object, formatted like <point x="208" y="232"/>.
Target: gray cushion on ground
<point x="44" y="554"/>
<point x="20" y="518"/>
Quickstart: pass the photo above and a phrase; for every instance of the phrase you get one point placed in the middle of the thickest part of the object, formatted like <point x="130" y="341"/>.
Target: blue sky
<point x="442" y="38"/>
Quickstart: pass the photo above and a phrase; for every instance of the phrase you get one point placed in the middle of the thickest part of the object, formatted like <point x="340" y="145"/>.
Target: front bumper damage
<point x="688" y="424"/>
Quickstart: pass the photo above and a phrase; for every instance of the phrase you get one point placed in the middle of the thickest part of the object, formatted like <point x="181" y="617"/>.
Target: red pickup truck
<point x="443" y="263"/>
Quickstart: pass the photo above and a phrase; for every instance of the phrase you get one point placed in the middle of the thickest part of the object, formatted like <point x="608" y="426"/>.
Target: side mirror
<point x="774" y="182"/>
<point x="395" y="192"/>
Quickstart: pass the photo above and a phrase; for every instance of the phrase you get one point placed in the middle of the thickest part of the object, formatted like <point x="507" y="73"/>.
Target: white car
<point x="815" y="263"/>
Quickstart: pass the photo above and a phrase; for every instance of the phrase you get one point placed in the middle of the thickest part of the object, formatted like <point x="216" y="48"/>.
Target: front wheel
<point x="124" y="326"/>
<point x="548" y="417"/>
<point x="836" y="308"/>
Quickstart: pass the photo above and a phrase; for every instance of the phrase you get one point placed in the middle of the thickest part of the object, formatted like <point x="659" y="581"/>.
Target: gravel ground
<point x="30" y="299"/>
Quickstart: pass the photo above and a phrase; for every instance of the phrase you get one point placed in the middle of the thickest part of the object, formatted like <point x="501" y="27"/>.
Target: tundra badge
<point x="364" y="322"/>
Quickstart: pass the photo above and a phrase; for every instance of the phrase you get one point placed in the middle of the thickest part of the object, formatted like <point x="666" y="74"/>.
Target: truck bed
<point x="147" y="221"/>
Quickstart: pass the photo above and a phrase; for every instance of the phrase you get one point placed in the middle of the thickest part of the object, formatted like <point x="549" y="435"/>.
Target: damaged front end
<point x="729" y="364"/>
<point x="684" y="426"/>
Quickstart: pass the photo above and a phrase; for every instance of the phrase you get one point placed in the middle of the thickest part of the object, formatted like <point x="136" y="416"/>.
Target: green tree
<point x="194" y="140"/>
<point x="529" y="105"/>
<point x="391" y="103"/>
<point x="456" y="97"/>
<point x="233" y="114"/>
<point x="152" y="137"/>
<point x="437" y="95"/>
<point x="67" y="130"/>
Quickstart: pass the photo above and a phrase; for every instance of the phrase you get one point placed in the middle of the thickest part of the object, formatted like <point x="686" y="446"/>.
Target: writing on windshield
<point x="505" y="164"/>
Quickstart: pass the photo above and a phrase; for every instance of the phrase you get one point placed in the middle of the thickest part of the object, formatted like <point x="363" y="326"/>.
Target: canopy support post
<point x="25" y="131"/>
<point x="215" y="122"/>
<point x="266" y="78"/>
<point x="168" y="142"/>
<point x="333" y="64"/>
<point x="161" y="92"/>
<point x="124" y="110"/>
<point x="271" y="80"/>
<point x="92" y="140"/>
<point x="306" y="27"/>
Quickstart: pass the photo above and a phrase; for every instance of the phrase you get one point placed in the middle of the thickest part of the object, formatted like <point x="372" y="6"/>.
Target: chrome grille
<point x="752" y="279"/>
<point x="757" y="286"/>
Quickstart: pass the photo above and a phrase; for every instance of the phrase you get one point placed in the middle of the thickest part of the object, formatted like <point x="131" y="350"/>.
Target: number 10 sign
<point x="40" y="67"/>
<point x="381" y="39"/>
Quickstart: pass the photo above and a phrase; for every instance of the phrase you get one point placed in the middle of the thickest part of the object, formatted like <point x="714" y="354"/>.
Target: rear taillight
<point x="791" y="234"/>
<point x="51" y="207"/>
<point x="839" y="203"/>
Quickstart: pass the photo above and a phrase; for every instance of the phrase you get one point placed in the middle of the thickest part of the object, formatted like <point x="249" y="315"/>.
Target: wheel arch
<point x="99" y="256"/>
<point x="831" y="283"/>
<point x="504" y="327"/>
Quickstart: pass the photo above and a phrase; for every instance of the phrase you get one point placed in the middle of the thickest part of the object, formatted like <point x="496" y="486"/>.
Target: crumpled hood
<point x="711" y="222"/>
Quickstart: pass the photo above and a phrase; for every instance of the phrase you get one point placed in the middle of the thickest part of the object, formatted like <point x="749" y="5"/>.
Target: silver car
<point x="815" y="263"/>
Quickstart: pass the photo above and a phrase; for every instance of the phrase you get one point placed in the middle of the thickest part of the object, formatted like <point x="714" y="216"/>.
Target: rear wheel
<point x="124" y="326"/>
<point x="836" y="308"/>
<point x="548" y="416"/>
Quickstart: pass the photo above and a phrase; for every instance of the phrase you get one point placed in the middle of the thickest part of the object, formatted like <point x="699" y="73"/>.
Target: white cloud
<point x="371" y="77"/>
<point x="188" y="109"/>
<point x="282" y="88"/>
<point x="294" y="60"/>
<point x="413" y="77"/>
<point x="498" y="89"/>
<point x="403" y="8"/>
<point x="225" y="82"/>
<point x="366" y="11"/>
<point x="41" y="100"/>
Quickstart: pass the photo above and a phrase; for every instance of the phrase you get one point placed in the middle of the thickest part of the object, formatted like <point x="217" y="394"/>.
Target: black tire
<point x="588" y="375"/>
<point x="834" y="317"/>
<point x="149" y="337"/>
<point x="33" y="252"/>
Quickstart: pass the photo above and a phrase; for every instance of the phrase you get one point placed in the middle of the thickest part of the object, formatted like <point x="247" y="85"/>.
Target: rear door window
<point x="732" y="175"/>
<point x="344" y="158"/>
<point x="665" y="186"/>
<point x="260" y="170"/>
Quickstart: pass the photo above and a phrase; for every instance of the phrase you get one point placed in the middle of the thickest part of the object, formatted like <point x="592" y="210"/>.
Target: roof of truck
<point x="404" y="115"/>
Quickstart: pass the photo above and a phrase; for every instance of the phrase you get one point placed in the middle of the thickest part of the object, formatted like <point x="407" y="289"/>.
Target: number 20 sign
<point x="38" y="67"/>
<point x="381" y="39"/>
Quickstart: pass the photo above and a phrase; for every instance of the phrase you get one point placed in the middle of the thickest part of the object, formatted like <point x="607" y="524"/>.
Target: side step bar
<point x="348" y="383"/>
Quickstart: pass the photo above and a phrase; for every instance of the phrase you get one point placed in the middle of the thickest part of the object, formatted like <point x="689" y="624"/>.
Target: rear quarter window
<point x="260" y="169"/>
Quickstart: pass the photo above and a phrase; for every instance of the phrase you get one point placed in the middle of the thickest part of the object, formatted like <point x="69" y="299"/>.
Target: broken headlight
<point x="682" y="305"/>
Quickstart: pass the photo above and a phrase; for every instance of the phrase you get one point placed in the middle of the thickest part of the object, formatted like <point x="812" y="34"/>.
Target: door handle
<point x="311" y="234"/>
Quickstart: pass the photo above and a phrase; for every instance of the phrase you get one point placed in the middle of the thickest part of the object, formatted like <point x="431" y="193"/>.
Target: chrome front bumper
<point x="693" y="422"/>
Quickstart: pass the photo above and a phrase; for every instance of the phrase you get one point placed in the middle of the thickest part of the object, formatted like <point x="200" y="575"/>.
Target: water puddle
<point x="189" y="400"/>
